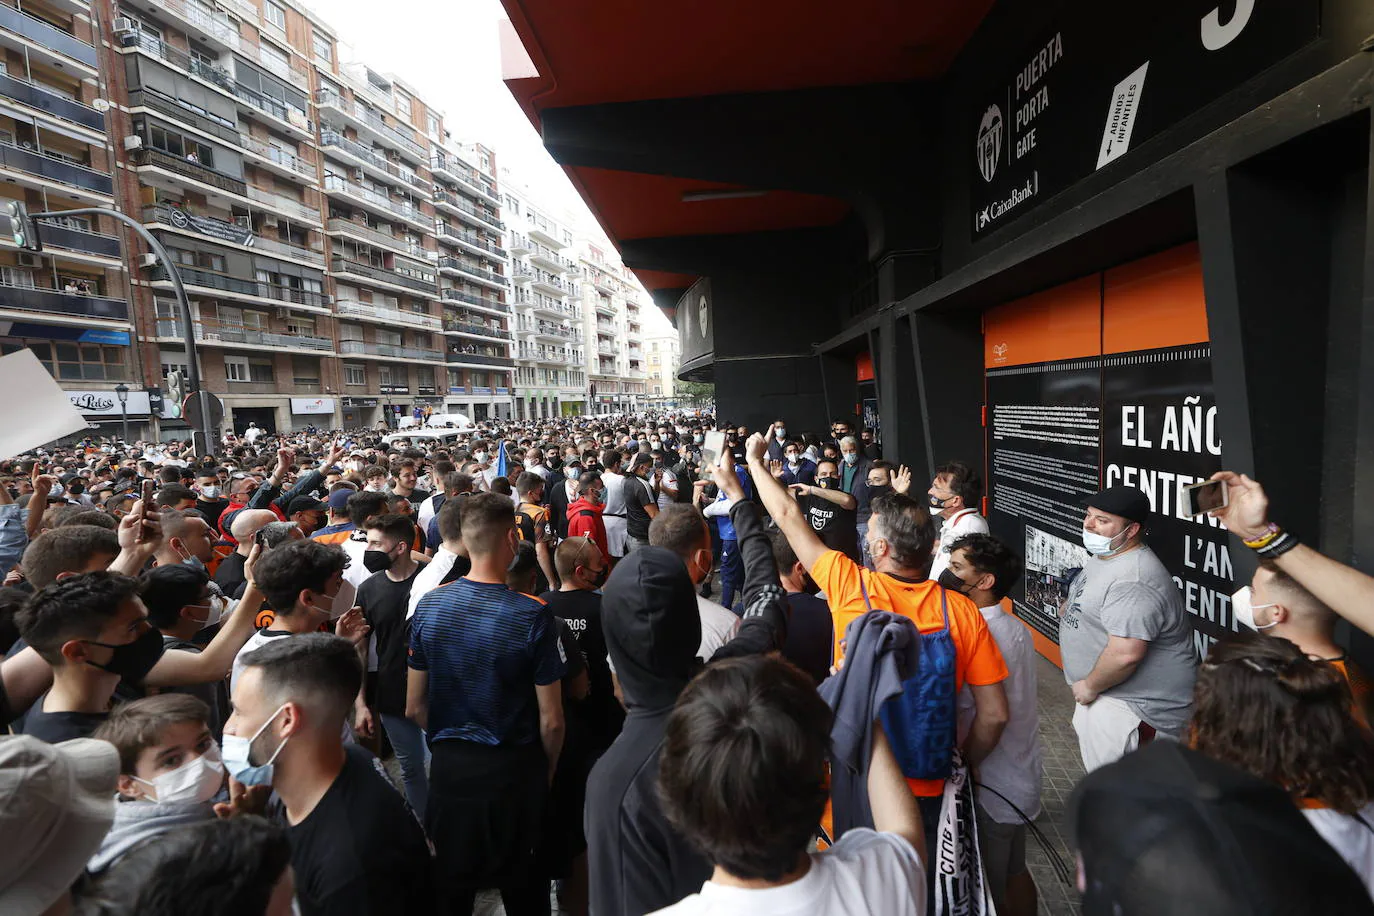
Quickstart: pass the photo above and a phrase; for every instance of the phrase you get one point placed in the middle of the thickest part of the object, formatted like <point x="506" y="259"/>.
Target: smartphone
<point x="711" y="447"/>
<point x="147" y="506"/>
<point x="1197" y="498"/>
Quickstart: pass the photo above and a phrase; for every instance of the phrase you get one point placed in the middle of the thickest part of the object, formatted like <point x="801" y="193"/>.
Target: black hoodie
<point x="637" y="862"/>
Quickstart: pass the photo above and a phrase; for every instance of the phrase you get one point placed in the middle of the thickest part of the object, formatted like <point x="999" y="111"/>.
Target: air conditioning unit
<point x="271" y="223"/>
<point x="133" y="142"/>
<point x="359" y="174"/>
<point x="29" y="259"/>
<point x="147" y="259"/>
<point x="124" y="24"/>
<point x="283" y="312"/>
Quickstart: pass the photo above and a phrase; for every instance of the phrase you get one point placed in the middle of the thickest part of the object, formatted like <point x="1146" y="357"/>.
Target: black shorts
<point x="485" y="812"/>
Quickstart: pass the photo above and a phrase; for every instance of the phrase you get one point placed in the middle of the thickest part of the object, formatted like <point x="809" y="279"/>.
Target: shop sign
<point x="106" y="403"/>
<point x="394" y="389"/>
<point x="1092" y="89"/>
<point x="312" y="405"/>
<point x="360" y="402"/>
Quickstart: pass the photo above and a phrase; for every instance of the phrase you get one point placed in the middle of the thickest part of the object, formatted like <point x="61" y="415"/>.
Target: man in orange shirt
<point x="900" y="538"/>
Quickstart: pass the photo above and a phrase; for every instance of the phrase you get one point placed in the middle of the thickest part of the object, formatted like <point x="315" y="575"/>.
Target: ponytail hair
<point x="1262" y="705"/>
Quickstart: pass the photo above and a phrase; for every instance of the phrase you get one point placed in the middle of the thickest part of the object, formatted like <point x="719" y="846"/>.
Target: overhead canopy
<point x="610" y="52"/>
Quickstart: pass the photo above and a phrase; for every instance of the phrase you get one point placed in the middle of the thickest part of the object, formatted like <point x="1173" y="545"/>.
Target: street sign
<point x="190" y="410"/>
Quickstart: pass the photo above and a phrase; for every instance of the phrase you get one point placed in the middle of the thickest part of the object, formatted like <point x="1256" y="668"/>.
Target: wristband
<point x="1283" y="543"/>
<point x="1271" y="533"/>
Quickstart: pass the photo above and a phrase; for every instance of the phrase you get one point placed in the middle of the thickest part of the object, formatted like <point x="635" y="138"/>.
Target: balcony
<point x="223" y="231"/>
<point x="271" y="64"/>
<point x="468" y="212"/>
<point x="180" y="113"/>
<point x="545" y="232"/>
<point x="179" y="59"/>
<point x="380" y="203"/>
<point x="384" y="275"/>
<point x="47" y="36"/>
<point x="179" y="165"/>
<point x="205" y="279"/>
<point x="286" y="163"/>
<point x="398" y="243"/>
<point x="477" y="359"/>
<point x="390" y="351"/>
<point x="55" y="302"/>
<point x="456" y="170"/>
<point x="53" y="166"/>
<point x="282" y="204"/>
<point x="453" y="326"/>
<point x="482" y="302"/>
<point x="470" y="239"/>
<point x="291" y="120"/>
<point x="369" y="159"/>
<point x="521" y="271"/>
<point x="211" y="332"/>
<point x="520" y="243"/>
<point x="548" y="283"/>
<point x="604" y="283"/>
<point x="388" y="315"/>
<point x="604" y="306"/>
<point x="72" y="238"/>
<point x="211" y="26"/>
<point x="372" y="122"/>
<point x="455" y="265"/>
<point x="51" y="102"/>
<point x="547" y="258"/>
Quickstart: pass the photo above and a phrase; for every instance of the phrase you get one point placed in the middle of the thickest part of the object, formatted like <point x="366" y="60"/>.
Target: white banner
<point x="312" y="405"/>
<point x="106" y="403"/>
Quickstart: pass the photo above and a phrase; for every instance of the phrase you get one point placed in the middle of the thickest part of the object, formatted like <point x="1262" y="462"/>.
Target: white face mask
<point x="332" y="610"/>
<point x="780" y="432"/>
<point x="1099" y="545"/>
<point x="479" y="455"/>
<point x="196" y="780"/>
<point x="215" y="611"/>
<point x="532" y="463"/>
<point x="793" y="460"/>
<point x="209" y="492"/>
<point x="1244" y="611"/>
<point x="376" y="487"/>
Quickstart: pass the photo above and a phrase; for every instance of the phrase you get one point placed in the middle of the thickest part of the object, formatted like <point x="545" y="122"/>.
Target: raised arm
<point x="838" y="497"/>
<point x="764" y="624"/>
<point x="786" y="514"/>
<point x="177" y="669"/>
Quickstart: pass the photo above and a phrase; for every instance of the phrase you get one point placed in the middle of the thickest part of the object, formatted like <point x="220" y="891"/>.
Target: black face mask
<point x="881" y="490"/>
<point x="601" y="577"/>
<point x="133" y="660"/>
<point x="937" y="503"/>
<point x="952" y="582"/>
<point x="377" y="560"/>
<point x="827" y="483"/>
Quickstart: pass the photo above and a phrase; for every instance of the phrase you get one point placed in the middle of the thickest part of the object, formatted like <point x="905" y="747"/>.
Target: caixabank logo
<point x="989" y="146"/>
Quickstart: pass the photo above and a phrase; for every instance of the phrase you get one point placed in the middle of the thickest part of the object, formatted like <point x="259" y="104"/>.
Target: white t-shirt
<point x="965" y="521"/>
<point x="669" y="480"/>
<point x="430" y="577"/>
<point x="865" y="872"/>
<point x="1352" y="840"/>
<point x="427" y="513"/>
<point x="718" y="626"/>
<point x="256" y="641"/>
<point x="1014" y="766"/>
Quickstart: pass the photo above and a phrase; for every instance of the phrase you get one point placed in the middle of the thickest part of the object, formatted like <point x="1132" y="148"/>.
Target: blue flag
<point x="501" y="459"/>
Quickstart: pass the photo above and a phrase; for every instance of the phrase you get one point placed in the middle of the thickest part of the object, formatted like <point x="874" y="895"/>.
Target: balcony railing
<point x="448" y="230"/>
<point x="49" y="166"/>
<point x="225" y="231"/>
<point x="405" y="211"/>
<point x="180" y="59"/>
<point x="463" y="172"/>
<point x="551" y="331"/>
<point x="464" y="207"/>
<point x="209" y="21"/>
<point x="212" y="331"/>
<point x="327" y="98"/>
<point x="381" y="313"/>
<point x="53" y="301"/>
<point x="271" y="107"/>
<point x="377" y="237"/>
<point x="190" y="169"/>
<point x="392" y="350"/>
<point x="283" y="204"/>
<point x="463" y="266"/>
<point x="49" y="36"/>
<point x="367" y="154"/>
<point x="286" y="71"/>
<point x="478" y="359"/>
<point x="457" y="295"/>
<point x="382" y="275"/>
<point x="281" y="157"/>
<point x="49" y="100"/>
<point x="192" y="276"/>
<point x="467" y="327"/>
<point x="71" y="238"/>
<point x="174" y="109"/>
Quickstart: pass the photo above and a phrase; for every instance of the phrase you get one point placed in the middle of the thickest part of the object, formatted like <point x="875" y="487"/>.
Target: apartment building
<point x="551" y="356"/>
<point x="663" y="354"/>
<point x="333" y="249"/>
<point x="614" y="301"/>
<point x="67" y="305"/>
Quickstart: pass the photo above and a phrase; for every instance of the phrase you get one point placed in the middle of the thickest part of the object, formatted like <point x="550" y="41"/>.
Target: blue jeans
<point x="731" y="571"/>
<point x="408" y="741"/>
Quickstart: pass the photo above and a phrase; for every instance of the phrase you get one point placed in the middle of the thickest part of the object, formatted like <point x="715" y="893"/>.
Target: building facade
<point x="663" y="356"/>
<point x="611" y="302"/>
<point x="342" y="258"/>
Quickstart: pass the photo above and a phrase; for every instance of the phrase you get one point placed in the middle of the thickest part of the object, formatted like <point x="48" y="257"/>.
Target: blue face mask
<point x="851" y="458"/>
<point x="236" y="752"/>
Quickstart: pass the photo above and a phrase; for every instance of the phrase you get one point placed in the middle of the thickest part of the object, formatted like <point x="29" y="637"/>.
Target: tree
<point x="695" y="392"/>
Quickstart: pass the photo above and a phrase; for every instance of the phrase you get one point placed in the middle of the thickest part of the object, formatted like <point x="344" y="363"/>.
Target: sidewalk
<point x="1063" y="769"/>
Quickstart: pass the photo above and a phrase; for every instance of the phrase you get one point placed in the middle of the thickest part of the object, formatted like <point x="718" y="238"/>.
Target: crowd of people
<point x="320" y="673"/>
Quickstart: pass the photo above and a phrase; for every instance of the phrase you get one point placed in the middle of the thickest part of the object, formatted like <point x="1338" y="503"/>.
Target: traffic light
<point x="23" y="230"/>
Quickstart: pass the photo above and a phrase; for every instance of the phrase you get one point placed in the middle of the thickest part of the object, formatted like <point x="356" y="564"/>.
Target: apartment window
<point x="235" y="370"/>
<point x="175" y="144"/>
<point x="424" y="376"/>
<point x="275" y="57"/>
<point x="305" y="327"/>
<point x="324" y="49"/>
<point x="432" y="126"/>
<point x="274" y="14"/>
<point x="350" y="332"/>
<point x="305" y="370"/>
<point x="72" y="361"/>
<point x="403" y="105"/>
<point x="16" y="276"/>
<point x="384" y="376"/>
<point x="354" y="375"/>
<point x="392" y="338"/>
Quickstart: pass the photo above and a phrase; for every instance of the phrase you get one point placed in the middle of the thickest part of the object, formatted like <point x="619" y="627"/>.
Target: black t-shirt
<point x="834" y="525"/>
<point x="637" y="496"/>
<point x="214" y="694"/>
<point x="211" y="509"/>
<point x="361" y="851"/>
<point x="810" y="635"/>
<point x="230" y="575"/>
<point x="384" y="604"/>
<point x="581" y="610"/>
<point x="56" y="727"/>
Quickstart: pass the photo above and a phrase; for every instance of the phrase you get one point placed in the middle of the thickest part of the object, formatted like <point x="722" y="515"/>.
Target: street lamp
<point x="122" y="392"/>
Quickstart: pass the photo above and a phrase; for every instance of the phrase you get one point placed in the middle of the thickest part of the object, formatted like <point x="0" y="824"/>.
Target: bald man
<point x="247" y="523"/>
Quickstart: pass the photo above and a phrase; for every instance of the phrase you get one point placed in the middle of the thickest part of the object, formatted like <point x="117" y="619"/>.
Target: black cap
<point x="1169" y="830"/>
<point x="640" y="459"/>
<point x="304" y="504"/>
<point x="1127" y="502"/>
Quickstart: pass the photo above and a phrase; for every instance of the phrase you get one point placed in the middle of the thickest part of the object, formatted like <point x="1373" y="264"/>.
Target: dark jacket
<point x="805" y="473"/>
<point x="882" y="652"/>
<point x="558" y="506"/>
<point x="637" y="863"/>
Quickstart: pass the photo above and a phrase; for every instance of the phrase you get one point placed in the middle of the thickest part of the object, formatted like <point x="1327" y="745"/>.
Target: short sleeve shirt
<point x="964" y="522"/>
<point x="485" y="648"/>
<point x="977" y="660"/>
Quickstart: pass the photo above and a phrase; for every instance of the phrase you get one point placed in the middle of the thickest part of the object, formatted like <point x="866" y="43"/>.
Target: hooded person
<point x="637" y="863"/>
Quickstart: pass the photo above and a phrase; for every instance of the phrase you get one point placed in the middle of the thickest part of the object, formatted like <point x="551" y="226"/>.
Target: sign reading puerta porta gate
<point x="1105" y="79"/>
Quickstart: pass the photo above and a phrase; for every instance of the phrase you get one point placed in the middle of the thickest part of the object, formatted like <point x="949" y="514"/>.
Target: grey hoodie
<point x="136" y="821"/>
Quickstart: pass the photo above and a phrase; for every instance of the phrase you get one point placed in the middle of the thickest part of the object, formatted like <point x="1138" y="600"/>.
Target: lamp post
<point x="122" y="392"/>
